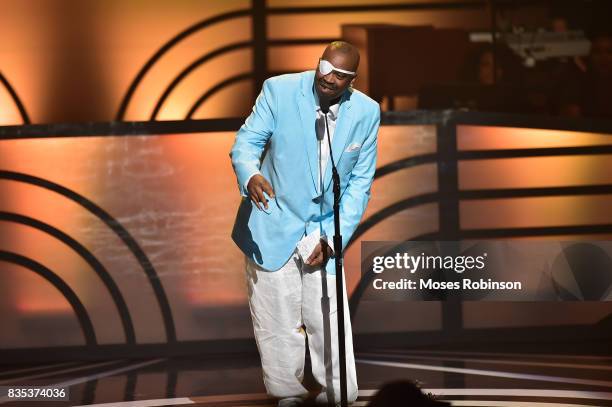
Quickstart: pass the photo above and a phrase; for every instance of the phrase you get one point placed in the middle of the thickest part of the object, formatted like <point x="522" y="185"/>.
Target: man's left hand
<point x="316" y="258"/>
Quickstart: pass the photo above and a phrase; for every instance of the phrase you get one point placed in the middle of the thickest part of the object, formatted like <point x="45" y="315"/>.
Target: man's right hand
<point x="256" y="187"/>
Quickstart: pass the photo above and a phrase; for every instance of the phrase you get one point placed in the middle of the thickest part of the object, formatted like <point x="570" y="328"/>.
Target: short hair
<point x="346" y="48"/>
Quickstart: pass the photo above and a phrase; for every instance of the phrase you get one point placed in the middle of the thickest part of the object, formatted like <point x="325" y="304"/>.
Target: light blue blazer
<point x="283" y="123"/>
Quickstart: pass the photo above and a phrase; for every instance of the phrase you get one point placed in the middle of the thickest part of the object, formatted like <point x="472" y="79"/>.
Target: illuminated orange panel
<point x="294" y="58"/>
<point x="58" y="55"/>
<point x="226" y="103"/>
<point x="535" y="172"/>
<point x="399" y="142"/>
<point x="176" y="195"/>
<point x="396" y="143"/>
<point x="493" y="138"/>
<point x="536" y="212"/>
<point x="9" y="113"/>
<point x="199" y="80"/>
<point x="203" y="79"/>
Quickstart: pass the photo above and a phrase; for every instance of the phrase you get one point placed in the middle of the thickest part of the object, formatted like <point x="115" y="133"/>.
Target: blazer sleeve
<point x="253" y="136"/>
<point x="357" y="193"/>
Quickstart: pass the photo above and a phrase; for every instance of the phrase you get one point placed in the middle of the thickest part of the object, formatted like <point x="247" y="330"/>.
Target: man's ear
<point x="353" y="81"/>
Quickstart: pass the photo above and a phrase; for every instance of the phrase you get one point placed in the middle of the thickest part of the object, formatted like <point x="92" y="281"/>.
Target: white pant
<point x="283" y="301"/>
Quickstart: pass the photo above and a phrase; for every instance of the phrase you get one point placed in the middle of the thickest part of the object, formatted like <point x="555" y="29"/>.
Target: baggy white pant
<point x="283" y="301"/>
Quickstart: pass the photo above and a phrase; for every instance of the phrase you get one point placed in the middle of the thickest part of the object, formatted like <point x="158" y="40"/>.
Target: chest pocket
<point x="348" y="161"/>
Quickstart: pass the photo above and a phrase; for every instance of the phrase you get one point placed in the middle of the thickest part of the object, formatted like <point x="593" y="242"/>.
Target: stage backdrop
<point x="126" y="238"/>
<point x="66" y="61"/>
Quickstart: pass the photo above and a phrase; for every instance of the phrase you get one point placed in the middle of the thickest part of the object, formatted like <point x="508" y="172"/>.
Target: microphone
<point x="325" y="109"/>
<point x="324" y="105"/>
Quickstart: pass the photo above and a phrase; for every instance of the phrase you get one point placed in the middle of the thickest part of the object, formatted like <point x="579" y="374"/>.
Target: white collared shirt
<point x="322" y="143"/>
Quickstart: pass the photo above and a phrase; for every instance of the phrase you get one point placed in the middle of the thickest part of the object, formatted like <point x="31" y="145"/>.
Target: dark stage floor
<point x="464" y="378"/>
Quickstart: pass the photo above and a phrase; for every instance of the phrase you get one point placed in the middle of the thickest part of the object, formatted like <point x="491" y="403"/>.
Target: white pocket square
<point x="353" y="147"/>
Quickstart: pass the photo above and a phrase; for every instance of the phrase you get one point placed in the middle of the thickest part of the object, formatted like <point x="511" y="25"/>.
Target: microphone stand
<point x="338" y="258"/>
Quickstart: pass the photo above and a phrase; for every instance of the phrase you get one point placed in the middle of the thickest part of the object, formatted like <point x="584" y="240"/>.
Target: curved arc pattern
<point x="215" y="89"/>
<point x="408" y="162"/>
<point x="391" y="210"/>
<point x="119" y="230"/>
<point x="15" y="97"/>
<point x="167" y="46"/>
<point x="183" y="74"/>
<point x="57" y="282"/>
<point x="388" y="211"/>
<point x="90" y="259"/>
<point x="372" y="221"/>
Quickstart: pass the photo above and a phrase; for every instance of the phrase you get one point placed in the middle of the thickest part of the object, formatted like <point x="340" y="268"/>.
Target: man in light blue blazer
<point x="282" y="163"/>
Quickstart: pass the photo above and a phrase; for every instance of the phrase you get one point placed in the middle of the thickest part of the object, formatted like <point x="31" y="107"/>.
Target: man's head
<point x="344" y="57"/>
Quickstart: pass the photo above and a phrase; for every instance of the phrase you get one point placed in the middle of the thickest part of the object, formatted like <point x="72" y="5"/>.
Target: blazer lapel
<point x="341" y="137"/>
<point x="306" y="105"/>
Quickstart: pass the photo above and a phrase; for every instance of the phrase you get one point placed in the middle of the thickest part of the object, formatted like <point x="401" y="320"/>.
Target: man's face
<point x="333" y="84"/>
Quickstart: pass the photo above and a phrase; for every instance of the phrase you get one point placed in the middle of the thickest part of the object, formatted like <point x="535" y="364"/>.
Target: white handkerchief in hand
<point x="308" y="243"/>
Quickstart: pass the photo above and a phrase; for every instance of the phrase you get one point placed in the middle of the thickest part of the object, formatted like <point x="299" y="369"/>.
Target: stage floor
<point x="464" y="378"/>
